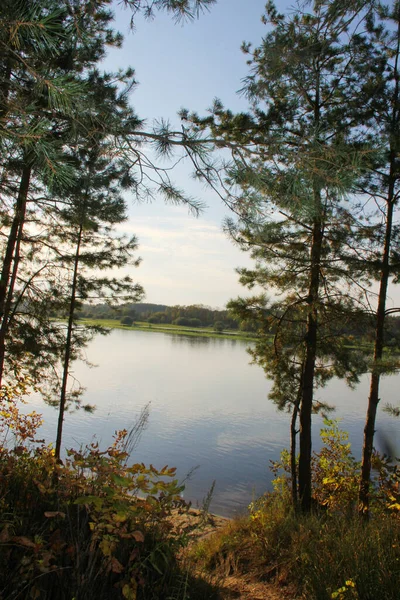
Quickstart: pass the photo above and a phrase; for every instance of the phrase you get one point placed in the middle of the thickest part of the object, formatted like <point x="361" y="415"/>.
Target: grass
<point x="330" y="554"/>
<point x="207" y="332"/>
<point x="317" y="557"/>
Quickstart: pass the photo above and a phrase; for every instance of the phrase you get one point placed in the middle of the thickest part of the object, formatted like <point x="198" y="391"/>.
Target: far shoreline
<point x="169" y="329"/>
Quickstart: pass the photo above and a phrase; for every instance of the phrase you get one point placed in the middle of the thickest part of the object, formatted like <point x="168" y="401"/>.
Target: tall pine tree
<point x="296" y="158"/>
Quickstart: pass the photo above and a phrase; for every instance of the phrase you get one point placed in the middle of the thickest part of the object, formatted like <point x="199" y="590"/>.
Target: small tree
<point x="218" y="326"/>
<point x="195" y="322"/>
<point x="182" y="321"/>
<point x="126" y="321"/>
<point x="94" y="205"/>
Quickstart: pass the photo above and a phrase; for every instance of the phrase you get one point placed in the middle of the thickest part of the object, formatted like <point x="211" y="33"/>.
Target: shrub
<point x="195" y="322"/>
<point x="320" y="556"/>
<point x="91" y="527"/>
<point x="183" y="321"/>
<point x="127" y="320"/>
<point x="331" y="554"/>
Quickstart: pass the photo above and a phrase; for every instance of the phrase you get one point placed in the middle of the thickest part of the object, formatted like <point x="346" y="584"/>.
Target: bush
<point x="195" y="322"/>
<point x="218" y="326"/>
<point x="183" y="321"/>
<point x="320" y="556"/>
<point x="127" y="320"/>
<point x="153" y="319"/>
<point x="80" y="529"/>
<point x="159" y="317"/>
<point x="331" y="554"/>
<point x="93" y="527"/>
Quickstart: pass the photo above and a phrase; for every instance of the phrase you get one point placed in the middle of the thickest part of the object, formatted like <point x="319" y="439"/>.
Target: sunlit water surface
<point x="208" y="409"/>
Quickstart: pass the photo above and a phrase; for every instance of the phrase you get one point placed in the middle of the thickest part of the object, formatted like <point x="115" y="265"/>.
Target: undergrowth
<point x="92" y="527"/>
<point x="95" y="527"/>
<point x="330" y="554"/>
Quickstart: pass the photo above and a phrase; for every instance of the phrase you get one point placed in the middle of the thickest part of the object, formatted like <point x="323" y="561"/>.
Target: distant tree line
<point x="194" y="315"/>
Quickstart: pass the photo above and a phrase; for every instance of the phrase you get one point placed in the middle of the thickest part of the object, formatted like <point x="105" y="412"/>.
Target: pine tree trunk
<point x="373" y="399"/>
<point x="68" y="348"/>
<point x="293" y="466"/>
<point x="11" y="259"/>
<point x="307" y="391"/>
<point x="8" y="308"/>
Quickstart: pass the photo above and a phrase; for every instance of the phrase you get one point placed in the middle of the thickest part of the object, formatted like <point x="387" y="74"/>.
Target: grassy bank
<point x="316" y="557"/>
<point x="171" y="329"/>
<point x="207" y="332"/>
<point x="331" y="554"/>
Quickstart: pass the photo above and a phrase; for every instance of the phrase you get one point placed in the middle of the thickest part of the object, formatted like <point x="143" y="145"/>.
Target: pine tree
<point x="94" y="205"/>
<point x="44" y="93"/>
<point x="296" y="157"/>
<point x="382" y="186"/>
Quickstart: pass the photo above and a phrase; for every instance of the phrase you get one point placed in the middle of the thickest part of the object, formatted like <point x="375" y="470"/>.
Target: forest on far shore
<point x="199" y="315"/>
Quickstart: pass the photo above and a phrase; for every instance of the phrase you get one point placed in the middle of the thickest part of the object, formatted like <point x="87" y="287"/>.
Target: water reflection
<point x="191" y="340"/>
<point x="208" y="407"/>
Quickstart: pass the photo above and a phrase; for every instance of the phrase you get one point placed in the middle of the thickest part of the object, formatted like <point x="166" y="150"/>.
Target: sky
<point x="187" y="260"/>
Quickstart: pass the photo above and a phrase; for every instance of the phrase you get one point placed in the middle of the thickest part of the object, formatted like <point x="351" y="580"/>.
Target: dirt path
<point x="243" y="588"/>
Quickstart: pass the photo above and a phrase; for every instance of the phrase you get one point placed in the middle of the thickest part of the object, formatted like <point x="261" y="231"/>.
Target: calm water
<point x="208" y="409"/>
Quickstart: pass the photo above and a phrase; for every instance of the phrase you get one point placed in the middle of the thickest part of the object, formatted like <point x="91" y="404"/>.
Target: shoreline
<point x="168" y="329"/>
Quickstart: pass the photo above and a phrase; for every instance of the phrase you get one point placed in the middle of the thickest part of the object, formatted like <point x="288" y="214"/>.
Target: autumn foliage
<point x="92" y="526"/>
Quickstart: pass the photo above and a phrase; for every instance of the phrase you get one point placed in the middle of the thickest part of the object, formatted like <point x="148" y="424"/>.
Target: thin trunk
<point x="8" y="308"/>
<point x="307" y="388"/>
<point x="11" y="258"/>
<point x="293" y="465"/>
<point x="293" y="449"/>
<point x="19" y="218"/>
<point x="68" y="347"/>
<point x="373" y="399"/>
<point x="307" y="391"/>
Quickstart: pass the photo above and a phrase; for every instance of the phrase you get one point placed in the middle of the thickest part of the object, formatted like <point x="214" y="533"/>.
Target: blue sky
<point x="187" y="260"/>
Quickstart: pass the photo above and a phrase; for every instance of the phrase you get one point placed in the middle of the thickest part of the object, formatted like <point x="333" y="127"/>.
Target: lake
<point x="208" y="409"/>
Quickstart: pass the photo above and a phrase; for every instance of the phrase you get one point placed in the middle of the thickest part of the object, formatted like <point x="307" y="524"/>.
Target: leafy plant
<point x="94" y="526"/>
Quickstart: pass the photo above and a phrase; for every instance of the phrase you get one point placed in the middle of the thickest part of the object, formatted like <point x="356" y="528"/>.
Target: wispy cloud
<point x="185" y="260"/>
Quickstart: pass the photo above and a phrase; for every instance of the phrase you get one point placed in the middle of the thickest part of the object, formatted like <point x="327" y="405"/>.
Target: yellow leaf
<point x="119" y="517"/>
<point x="129" y="591"/>
<point x="107" y="547"/>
